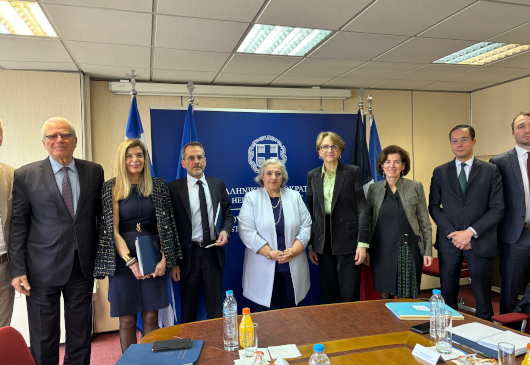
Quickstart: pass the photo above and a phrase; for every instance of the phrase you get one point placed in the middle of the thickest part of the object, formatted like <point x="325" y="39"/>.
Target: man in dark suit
<point x="56" y="204"/>
<point x="514" y="228"/>
<point x="466" y="204"/>
<point x="196" y="200"/>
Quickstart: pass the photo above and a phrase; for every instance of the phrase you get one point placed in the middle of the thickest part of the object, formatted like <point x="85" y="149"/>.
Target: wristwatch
<point x="269" y="256"/>
<point x="127" y="257"/>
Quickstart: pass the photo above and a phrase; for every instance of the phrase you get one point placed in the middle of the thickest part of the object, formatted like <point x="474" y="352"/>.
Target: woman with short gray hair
<point x="275" y="226"/>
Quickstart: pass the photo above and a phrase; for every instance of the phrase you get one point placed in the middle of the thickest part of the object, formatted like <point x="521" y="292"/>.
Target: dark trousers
<point x="340" y="278"/>
<point x="282" y="293"/>
<point x="514" y="260"/>
<point x="43" y="305"/>
<point x="206" y="272"/>
<point x="480" y="269"/>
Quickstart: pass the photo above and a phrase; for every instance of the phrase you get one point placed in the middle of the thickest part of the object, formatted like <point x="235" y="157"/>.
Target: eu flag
<point x="359" y="151"/>
<point x="188" y="134"/>
<point x="375" y="149"/>
<point x="134" y="129"/>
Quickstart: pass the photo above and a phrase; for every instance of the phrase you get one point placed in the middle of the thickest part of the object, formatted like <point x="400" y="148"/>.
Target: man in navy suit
<point x="514" y="228"/>
<point x="466" y="204"/>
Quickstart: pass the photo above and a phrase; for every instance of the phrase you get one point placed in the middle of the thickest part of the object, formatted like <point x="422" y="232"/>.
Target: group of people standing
<point x="63" y="225"/>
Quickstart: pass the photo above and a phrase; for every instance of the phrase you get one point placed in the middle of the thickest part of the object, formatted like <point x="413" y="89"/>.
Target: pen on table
<point x="213" y="244"/>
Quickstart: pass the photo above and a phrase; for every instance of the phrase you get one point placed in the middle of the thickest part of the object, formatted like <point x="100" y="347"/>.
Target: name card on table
<point x="425" y="354"/>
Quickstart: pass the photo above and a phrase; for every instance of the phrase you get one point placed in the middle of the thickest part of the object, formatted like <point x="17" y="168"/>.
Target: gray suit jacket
<point x="414" y="204"/>
<point x="6" y="197"/>
<point x="43" y="233"/>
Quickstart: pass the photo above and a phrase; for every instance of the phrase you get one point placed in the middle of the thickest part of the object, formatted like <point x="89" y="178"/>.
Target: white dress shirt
<point x="467" y="169"/>
<point x="195" y="209"/>
<point x="522" y="155"/>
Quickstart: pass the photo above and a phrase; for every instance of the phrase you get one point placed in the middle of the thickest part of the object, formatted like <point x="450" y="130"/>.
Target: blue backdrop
<point x="227" y="137"/>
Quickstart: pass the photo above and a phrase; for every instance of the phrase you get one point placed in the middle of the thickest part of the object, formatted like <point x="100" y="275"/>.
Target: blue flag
<point x="359" y="151"/>
<point x="135" y="130"/>
<point x="375" y="150"/>
<point x="188" y="134"/>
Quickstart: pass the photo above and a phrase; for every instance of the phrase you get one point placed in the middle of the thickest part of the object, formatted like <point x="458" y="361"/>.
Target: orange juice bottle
<point x="246" y="319"/>
<point x="526" y="360"/>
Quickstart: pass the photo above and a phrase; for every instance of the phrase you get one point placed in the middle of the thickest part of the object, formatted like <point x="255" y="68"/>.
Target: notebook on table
<point x="142" y="355"/>
<point x="411" y="311"/>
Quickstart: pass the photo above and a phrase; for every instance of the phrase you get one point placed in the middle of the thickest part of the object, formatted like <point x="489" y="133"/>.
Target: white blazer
<point x="257" y="228"/>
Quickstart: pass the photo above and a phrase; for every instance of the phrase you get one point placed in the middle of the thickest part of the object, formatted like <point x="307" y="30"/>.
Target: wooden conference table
<point x="353" y="333"/>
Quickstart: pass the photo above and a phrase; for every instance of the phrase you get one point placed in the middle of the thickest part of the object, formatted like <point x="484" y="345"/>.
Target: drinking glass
<point x="444" y="333"/>
<point x="506" y="353"/>
<point x="251" y="339"/>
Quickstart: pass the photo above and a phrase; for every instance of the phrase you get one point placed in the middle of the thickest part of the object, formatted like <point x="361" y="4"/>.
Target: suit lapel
<point x="514" y="162"/>
<point x="339" y="180"/>
<point x="83" y="184"/>
<point x="453" y="178"/>
<point x="319" y="187"/>
<point x="213" y="196"/>
<point x="185" y="197"/>
<point x="3" y="195"/>
<point x="48" y="178"/>
<point x="475" y="170"/>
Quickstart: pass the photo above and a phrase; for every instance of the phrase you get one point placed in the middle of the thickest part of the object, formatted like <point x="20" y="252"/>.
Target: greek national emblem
<point x="263" y="148"/>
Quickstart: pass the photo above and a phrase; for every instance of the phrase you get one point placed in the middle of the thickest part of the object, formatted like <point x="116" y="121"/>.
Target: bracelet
<point x="269" y="256"/>
<point x="131" y="261"/>
<point x="127" y="257"/>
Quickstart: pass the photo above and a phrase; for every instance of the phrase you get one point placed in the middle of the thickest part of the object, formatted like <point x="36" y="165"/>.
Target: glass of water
<point x="444" y="333"/>
<point x="251" y="339"/>
<point x="506" y="353"/>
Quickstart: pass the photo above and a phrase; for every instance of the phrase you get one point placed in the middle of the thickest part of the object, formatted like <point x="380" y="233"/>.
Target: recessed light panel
<point x="279" y="40"/>
<point x="482" y="53"/>
<point x="24" y="18"/>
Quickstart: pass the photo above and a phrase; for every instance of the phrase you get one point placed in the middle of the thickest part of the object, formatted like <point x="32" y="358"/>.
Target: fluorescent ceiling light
<point x="279" y="40"/>
<point x="24" y="18"/>
<point x="482" y="53"/>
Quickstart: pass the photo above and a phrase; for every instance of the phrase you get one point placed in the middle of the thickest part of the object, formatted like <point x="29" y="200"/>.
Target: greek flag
<point x="188" y="134"/>
<point x="375" y="149"/>
<point x="135" y="130"/>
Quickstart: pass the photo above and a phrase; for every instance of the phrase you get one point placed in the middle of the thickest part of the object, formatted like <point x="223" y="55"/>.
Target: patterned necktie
<point x="204" y="213"/>
<point x="67" y="192"/>
<point x="462" y="180"/>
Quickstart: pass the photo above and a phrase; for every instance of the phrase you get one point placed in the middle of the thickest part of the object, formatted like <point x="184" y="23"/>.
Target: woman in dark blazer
<point x="135" y="204"/>
<point x="400" y="228"/>
<point x="340" y="230"/>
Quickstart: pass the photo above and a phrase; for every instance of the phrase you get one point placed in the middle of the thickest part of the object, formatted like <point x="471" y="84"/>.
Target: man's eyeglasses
<point x="462" y="140"/>
<point x="193" y="158"/>
<point x="333" y="148"/>
<point x="64" y="136"/>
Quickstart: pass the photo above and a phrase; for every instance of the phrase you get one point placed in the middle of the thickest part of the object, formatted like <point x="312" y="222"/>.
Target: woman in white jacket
<point x="275" y="225"/>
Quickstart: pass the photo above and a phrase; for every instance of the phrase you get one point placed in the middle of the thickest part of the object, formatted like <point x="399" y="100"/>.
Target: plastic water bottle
<point x="230" y="322"/>
<point x="437" y="305"/>
<point x="319" y="357"/>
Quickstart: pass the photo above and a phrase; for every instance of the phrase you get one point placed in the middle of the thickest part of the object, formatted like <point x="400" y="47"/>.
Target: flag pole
<point x="370" y="110"/>
<point x="361" y="104"/>
<point x="191" y="99"/>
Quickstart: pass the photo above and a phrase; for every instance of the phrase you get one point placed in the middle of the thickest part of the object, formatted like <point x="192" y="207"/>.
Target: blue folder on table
<point x="148" y="252"/>
<point x="142" y="355"/>
<point x="406" y="311"/>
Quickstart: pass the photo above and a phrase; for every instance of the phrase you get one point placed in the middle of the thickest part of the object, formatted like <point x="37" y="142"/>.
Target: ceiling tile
<point x="483" y="74"/>
<point x="357" y="46"/>
<point x="145" y="6"/>
<point x="524" y="2"/>
<point x="198" y="34"/>
<point x="519" y="35"/>
<point x="475" y="87"/>
<point x="424" y="50"/>
<point x="113" y="72"/>
<point x="197" y="77"/>
<point x="513" y="76"/>
<point x="260" y="64"/>
<point x="381" y="70"/>
<point x="404" y="17"/>
<point x="235" y="10"/>
<point x="109" y="54"/>
<point x="323" y="67"/>
<point x="32" y="49"/>
<point x="352" y="82"/>
<point x="311" y="13"/>
<point x="446" y="86"/>
<point x="436" y="72"/>
<point x="101" y="25"/>
<point x="301" y="80"/>
<point x="227" y="78"/>
<point x="42" y="66"/>
<point x="401" y="84"/>
<point x="176" y="59"/>
<point x="480" y="21"/>
<point x="520" y="60"/>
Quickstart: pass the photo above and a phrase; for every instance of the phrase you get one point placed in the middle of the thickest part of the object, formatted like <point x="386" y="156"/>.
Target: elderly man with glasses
<point x="54" y="231"/>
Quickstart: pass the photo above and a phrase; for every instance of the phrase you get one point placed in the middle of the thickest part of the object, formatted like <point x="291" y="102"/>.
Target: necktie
<point x="67" y="192"/>
<point x="204" y="213"/>
<point x="528" y="165"/>
<point x="462" y="180"/>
